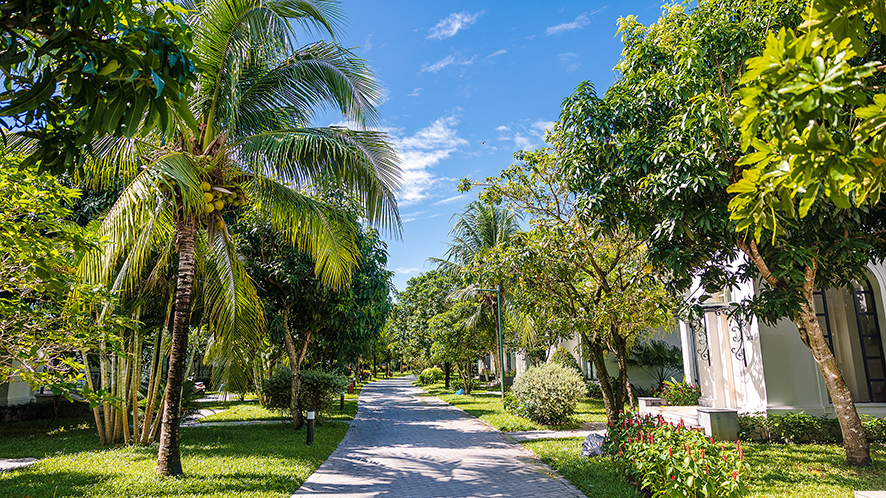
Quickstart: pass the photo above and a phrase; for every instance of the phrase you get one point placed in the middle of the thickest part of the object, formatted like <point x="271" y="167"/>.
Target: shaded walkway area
<point x="405" y="445"/>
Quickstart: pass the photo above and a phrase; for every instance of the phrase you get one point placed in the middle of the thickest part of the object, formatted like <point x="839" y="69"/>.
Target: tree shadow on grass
<point x="26" y="483"/>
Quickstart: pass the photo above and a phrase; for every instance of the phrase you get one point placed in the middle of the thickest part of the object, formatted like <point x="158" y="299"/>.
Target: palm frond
<point x="321" y="230"/>
<point x="360" y="163"/>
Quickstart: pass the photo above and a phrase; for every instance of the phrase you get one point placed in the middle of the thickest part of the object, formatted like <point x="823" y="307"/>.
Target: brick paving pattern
<point x="404" y="445"/>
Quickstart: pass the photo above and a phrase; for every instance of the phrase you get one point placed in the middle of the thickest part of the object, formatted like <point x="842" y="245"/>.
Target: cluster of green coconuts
<point x="217" y="197"/>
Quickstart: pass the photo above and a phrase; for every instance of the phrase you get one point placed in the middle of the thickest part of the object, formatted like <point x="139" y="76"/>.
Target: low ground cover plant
<point x="679" y="393"/>
<point x="546" y="394"/>
<point x="802" y="428"/>
<point x="430" y="375"/>
<point x="668" y="460"/>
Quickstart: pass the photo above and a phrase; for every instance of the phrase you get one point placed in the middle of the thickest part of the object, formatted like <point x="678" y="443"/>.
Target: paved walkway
<point x="403" y="445"/>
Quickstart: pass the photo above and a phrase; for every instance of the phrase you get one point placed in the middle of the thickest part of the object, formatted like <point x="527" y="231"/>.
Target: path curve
<point x="403" y="445"/>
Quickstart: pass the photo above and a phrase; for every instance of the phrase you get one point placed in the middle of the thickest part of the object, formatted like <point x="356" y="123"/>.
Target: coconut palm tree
<point x="481" y="227"/>
<point x="247" y="144"/>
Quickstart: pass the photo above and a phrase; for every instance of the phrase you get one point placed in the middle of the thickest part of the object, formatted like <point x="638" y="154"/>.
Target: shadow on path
<point x="402" y="445"/>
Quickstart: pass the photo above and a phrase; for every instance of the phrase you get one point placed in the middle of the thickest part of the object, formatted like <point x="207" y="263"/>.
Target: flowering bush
<point x="673" y="461"/>
<point x="547" y="394"/>
<point x="679" y="393"/>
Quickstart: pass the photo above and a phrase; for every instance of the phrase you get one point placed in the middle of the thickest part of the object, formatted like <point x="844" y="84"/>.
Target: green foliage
<point x="47" y="314"/>
<point x="457" y="342"/>
<point x="670" y="460"/>
<point x="564" y="358"/>
<point x="679" y="393"/>
<point x="547" y="394"/>
<point x="811" y="116"/>
<point x="804" y="428"/>
<point x="319" y="390"/>
<point x="423" y="298"/>
<point x="657" y="358"/>
<point x="572" y="276"/>
<point x="92" y="67"/>
<point x="594" y="390"/>
<point x="430" y="376"/>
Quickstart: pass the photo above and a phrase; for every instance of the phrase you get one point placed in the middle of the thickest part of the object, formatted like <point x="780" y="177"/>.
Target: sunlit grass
<point x="804" y="471"/>
<point x="593" y="476"/>
<point x="485" y="404"/>
<point x="240" y="411"/>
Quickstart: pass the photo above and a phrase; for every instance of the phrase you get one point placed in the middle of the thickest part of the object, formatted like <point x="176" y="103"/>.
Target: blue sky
<point x="466" y="84"/>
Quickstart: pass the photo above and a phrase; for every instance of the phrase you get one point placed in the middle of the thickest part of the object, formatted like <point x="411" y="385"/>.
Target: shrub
<point x="563" y="357"/>
<point x="804" y="428"/>
<point x="430" y="376"/>
<point x="668" y="460"/>
<point x="547" y="394"/>
<point x="679" y="393"/>
<point x="594" y="389"/>
<point x="318" y="390"/>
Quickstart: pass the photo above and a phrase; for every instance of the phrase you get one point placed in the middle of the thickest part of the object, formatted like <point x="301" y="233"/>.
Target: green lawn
<point x="803" y="471"/>
<point x="485" y="404"/>
<point x="228" y="461"/>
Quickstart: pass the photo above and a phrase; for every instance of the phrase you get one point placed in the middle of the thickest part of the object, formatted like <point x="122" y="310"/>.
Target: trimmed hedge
<point x="800" y="428"/>
<point x="563" y="357"/>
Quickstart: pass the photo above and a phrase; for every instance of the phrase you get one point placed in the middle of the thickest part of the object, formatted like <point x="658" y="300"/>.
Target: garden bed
<point x="803" y="471"/>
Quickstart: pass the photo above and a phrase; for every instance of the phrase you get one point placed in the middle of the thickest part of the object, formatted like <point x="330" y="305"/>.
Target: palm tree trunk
<point x="169" y="454"/>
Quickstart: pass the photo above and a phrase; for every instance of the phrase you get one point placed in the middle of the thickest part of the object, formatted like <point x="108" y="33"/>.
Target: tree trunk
<point x="447" y="369"/>
<point x="169" y="454"/>
<point x="620" y="351"/>
<point x="855" y="443"/>
<point x="613" y="402"/>
<point x="295" y="361"/>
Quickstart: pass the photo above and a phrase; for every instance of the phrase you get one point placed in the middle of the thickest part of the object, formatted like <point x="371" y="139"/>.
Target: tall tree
<point x="573" y="278"/>
<point x="423" y="298"/>
<point x="251" y="145"/>
<point x="307" y="316"/>
<point x="481" y="227"/>
<point x="659" y="150"/>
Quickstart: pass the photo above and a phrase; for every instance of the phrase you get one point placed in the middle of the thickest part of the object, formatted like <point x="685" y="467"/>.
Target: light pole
<point x="501" y="352"/>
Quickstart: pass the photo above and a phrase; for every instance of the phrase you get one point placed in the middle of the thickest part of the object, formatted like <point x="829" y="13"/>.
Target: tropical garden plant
<point x="249" y="146"/>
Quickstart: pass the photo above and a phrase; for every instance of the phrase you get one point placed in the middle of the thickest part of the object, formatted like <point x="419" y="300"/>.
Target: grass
<point x="229" y="461"/>
<point x="485" y="404"/>
<point x="593" y="476"/>
<point x="803" y="471"/>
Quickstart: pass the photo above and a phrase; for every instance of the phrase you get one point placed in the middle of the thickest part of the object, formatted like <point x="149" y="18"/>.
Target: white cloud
<point x="503" y="128"/>
<point x="580" y="22"/>
<point x="568" y="56"/>
<point x="422" y="151"/>
<point x="450" y="200"/>
<point x="406" y="271"/>
<point x="540" y="126"/>
<point x="523" y="142"/>
<point x="367" y="45"/>
<point x="496" y="53"/>
<point x="450" y="25"/>
<point x="449" y="60"/>
<point x="415" y="93"/>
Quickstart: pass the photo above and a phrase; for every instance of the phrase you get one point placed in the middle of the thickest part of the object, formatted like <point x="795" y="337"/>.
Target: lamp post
<point x="501" y="352"/>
